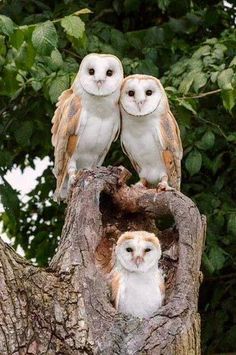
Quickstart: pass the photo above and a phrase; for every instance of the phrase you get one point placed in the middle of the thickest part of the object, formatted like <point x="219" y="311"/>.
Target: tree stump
<point x="65" y="309"/>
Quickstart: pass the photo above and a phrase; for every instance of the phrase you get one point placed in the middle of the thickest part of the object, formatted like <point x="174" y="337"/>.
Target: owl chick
<point x="150" y="135"/>
<point x="137" y="282"/>
<point x="87" y="119"/>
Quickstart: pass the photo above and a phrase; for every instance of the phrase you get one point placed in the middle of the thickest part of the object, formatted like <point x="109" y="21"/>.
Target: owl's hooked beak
<point x="140" y="104"/>
<point x="99" y="83"/>
<point x="138" y="260"/>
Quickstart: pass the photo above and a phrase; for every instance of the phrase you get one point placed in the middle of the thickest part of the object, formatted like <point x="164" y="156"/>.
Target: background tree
<point x="191" y="46"/>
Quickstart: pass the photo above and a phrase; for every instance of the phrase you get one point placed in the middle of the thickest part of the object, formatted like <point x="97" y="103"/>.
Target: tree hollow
<point x="66" y="308"/>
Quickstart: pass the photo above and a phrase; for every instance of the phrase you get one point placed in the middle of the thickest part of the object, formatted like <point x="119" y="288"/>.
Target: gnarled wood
<point x="66" y="309"/>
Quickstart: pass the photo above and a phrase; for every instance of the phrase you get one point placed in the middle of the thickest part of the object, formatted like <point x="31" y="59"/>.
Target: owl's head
<point x="141" y="94"/>
<point x="100" y="74"/>
<point x="138" y="251"/>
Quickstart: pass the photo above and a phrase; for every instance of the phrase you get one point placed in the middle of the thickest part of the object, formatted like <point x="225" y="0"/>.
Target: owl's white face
<point x="138" y="251"/>
<point x="140" y="94"/>
<point x="100" y="74"/>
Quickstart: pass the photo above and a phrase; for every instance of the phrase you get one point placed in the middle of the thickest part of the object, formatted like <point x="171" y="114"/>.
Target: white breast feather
<point x="141" y="140"/>
<point x="140" y="293"/>
<point x="99" y="124"/>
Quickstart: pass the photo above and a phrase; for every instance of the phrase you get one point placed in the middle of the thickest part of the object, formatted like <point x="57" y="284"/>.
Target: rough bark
<point x="65" y="309"/>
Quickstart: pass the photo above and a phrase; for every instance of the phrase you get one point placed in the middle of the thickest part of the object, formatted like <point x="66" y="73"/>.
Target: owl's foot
<point x="71" y="180"/>
<point x="141" y="184"/>
<point x="163" y="186"/>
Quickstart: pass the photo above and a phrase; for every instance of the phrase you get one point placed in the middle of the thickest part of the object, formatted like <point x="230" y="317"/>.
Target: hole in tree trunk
<point x="115" y="222"/>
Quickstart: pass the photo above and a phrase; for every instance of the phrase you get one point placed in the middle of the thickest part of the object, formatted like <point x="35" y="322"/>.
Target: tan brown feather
<point x="64" y="137"/>
<point x="173" y="151"/>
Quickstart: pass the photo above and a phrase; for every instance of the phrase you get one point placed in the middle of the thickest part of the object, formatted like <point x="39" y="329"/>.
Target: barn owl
<point x="87" y="119"/>
<point x="137" y="282"/>
<point x="150" y="135"/>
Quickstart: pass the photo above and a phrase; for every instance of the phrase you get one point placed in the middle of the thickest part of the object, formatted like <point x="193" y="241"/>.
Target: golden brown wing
<point x="172" y="148"/>
<point x="64" y="135"/>
<point x="115" y="287"/>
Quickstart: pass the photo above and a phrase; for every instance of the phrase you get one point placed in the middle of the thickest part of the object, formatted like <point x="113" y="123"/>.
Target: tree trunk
<point x="65" y="309"/>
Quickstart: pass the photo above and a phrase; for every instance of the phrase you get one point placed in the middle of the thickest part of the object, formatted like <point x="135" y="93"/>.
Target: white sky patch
<point x="24" y="182"/>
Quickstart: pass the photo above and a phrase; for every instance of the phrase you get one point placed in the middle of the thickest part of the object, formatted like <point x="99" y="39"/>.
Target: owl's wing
<point x="64" y="135"/>
<point x="129" y="155"/>
<point x="115" y="288"/>
<point x="172" y="148"/>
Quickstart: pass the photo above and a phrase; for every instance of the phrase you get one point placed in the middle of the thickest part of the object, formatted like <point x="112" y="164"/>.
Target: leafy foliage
<point x="191" y="46"/>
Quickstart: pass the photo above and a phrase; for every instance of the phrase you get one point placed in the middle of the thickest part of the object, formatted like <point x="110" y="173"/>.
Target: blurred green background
<point x="191" y="47"/>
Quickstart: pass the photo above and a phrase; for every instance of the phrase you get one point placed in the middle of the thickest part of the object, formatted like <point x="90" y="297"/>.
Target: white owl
<point x="87" y="119"/>
<point x="137" y="282"/>
<point x="150" y="135"/>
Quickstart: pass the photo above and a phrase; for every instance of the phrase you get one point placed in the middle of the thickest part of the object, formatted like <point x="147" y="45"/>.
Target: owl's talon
<point x="163" y="186"/>
<point x="139" y="184"/>
<point x="71" y="180"/>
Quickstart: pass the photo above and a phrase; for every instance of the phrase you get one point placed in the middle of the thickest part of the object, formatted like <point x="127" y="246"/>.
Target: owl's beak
<point x="138" y="260"/>
<point x="99" y="83"/>
<point x="140" y="104"/>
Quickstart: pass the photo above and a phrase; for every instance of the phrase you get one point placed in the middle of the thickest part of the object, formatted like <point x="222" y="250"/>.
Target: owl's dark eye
<point x="109" y="72"/>
<point x="129" y="250"/>
<point x="149" y="92"/>
<point x="147" y="250"/>
<point x="131" y="93"/>
<point x="91" y="71"/>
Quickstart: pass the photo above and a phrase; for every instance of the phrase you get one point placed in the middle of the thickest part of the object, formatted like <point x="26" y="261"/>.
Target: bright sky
<point x="24" y="182"/>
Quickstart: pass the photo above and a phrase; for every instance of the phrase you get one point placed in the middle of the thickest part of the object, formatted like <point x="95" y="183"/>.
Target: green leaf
<point x="202" y="51"/>
<point x="217" y="257"/>
<point x="187" y="82"/>
<point x="118" y="40"/>
<point x="214" y="76"/>
<point x="207" y="141"/>
<point x="73" y="26"/>
<point x="10" y="201"/>
<point x="219" y="50"/>
<point x="44" y="38"/>
<point x="215" y="166"/>
<point x="229" y="99"/>
<point x="146" y="67"/>
<point x="56" y="58"/>
<point x="8" y="83"/>
<point x="224" y="79"/>
<point x="193" y="162"/>
<point x="5" y="159"/>
<point x="23" y="134"/>
<point x="17" y="38"/>
<point x="195" y="64"/>
<point x="163" y="4"/>
<point x="58" y="85"/>
<point x="186" y="104"/>
<point x="207" y="264"/>
<point x="231" y="226"/>
<point x="84" y="11"/>
<point x="233" y="62"/>
<point x="200" y="80"/>
<point x="25" y="57"/>
<point x="6" y="25"/>
<point x="36" y="85"/>
<point x="3" y="49"/>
